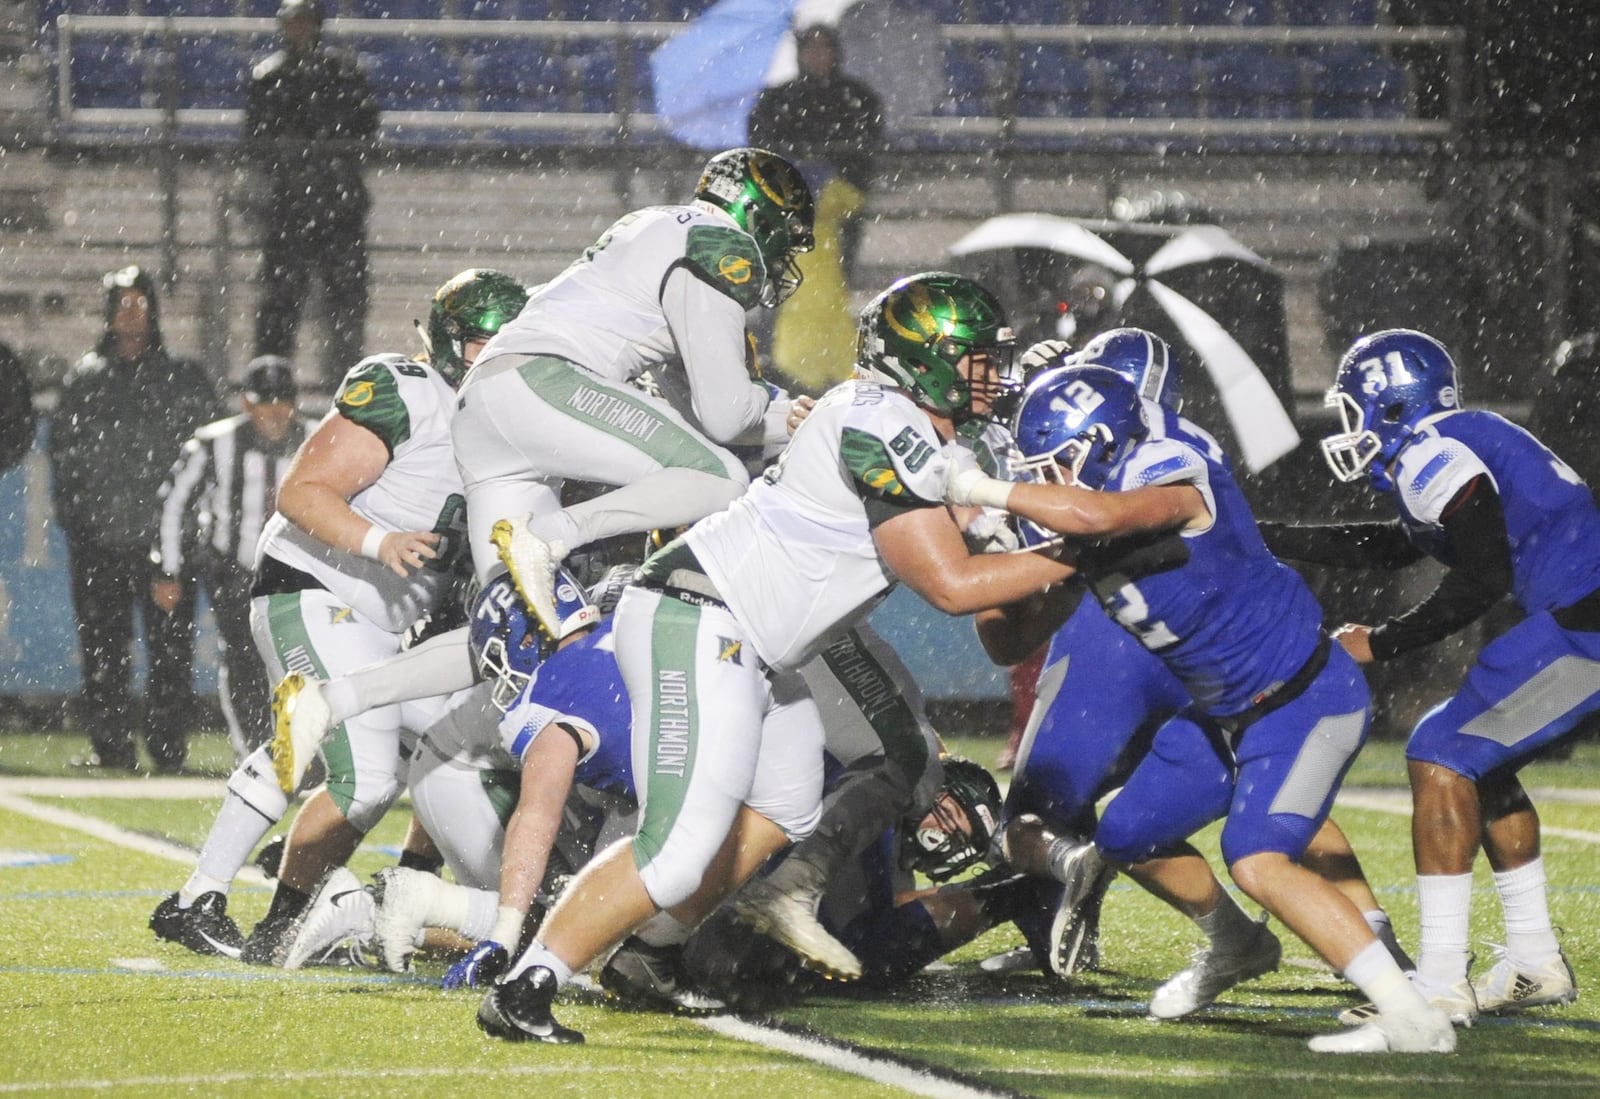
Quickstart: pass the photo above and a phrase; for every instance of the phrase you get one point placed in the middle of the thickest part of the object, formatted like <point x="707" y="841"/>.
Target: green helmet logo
<point x="917" y="333"/>
<point x="473" y="305"/>
<point x="770" y="200"/>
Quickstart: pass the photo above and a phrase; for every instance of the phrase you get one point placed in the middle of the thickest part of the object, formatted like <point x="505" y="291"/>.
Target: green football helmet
<point x="915" y="334"/>
<point x="473" y="305"/>
<point x="938" y="845"/>
<point x="770" y="200"/>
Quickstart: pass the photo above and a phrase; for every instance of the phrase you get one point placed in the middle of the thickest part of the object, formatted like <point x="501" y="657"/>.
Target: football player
<point x="727" y="739"/>
<point x="369" y="532"/>
<point x="1507" y="518"/>
<point x="1101" y="699"/>
<point x="1169" y="547"/>
<point x="664" y="291"/>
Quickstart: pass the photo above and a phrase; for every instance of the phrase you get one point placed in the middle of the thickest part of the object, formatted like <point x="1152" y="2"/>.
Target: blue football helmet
<point x="1387" y="384"/>
<point x="507" y="644"/>
<point x="1082" y="419"/>
<point x="1140" y="356"/>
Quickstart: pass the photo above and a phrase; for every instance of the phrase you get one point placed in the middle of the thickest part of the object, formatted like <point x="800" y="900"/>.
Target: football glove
<point x="1042" y="356"/>
<point x="479" y="968"/>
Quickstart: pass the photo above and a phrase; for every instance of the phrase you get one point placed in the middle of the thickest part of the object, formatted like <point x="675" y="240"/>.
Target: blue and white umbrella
<point x="707" y="76"/>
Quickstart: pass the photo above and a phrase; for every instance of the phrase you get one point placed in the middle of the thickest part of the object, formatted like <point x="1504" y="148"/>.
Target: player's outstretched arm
<point x="924" y="548"/>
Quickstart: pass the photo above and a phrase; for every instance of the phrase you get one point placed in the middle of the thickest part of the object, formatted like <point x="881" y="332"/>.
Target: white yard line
<point x="1399" y="803"/>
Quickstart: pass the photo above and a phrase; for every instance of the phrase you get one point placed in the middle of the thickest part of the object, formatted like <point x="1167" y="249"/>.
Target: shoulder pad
<point x="370" y="396"/>
<point x="890" y="451"/>
<point x="727" y="259"/>
<point x="1431" y="471"/>
<point x="1163" y="462"/>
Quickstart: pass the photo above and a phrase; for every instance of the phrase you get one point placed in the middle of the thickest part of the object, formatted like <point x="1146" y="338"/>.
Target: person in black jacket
<point x="310" y="118"/>
<point x="125" y="409"/>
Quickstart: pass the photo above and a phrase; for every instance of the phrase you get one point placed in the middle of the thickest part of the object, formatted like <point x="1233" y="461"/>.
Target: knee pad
<point x="255" y="783"/>
<point x="364" y="799"/>
<point x="671" y="879"/>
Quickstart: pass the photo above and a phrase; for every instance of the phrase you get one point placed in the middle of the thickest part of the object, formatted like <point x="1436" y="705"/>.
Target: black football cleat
<point x="270" y="940"/>
<point x="204" y="927"/>
<point x="656" y="978"/>
<point x="518" y="1010"/>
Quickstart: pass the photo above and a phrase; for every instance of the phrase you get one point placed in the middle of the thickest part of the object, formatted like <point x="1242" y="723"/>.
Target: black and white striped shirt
<point x="221" y="490"/>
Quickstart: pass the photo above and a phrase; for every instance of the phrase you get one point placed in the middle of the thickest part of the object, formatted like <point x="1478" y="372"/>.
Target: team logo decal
<point x="729" y="650"/>
<point x="736" y="269"/>
<point x="886" y="481"/>
<point x="910" y="314"/>
<point x="339" y="615"/>
<point x="357" y="395"/>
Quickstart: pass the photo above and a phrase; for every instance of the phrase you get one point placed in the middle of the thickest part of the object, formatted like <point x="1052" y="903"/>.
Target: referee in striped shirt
<point x="219" y="495"/>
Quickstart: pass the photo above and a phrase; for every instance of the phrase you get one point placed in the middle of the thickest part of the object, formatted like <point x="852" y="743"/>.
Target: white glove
<point x="1043" y="355"/>
<point x="990" y="532"/>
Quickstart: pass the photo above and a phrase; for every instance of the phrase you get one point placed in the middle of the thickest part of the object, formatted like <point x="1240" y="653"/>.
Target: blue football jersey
<point x="1229" y="620"/>
<point x="1552" y="523"/>
<point x="580" y="685"/>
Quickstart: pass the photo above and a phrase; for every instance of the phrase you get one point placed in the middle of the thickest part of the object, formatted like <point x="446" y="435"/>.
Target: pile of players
<point x="709" y="770"/>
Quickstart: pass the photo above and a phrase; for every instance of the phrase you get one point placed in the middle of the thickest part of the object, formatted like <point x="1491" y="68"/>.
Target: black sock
<point x="410" y="860"/>
<point x="288" y="902"/>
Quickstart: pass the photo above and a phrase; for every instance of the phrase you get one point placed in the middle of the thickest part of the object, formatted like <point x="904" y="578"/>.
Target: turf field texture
<point x="92" y="1003"/>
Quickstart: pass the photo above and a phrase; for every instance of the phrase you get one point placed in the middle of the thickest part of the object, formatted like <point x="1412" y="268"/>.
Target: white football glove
<point x="990" y="532"/>
<point x="1042" y="356"/>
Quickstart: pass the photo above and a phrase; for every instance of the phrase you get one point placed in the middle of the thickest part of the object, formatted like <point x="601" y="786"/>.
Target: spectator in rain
<point x="219" y="496"/>
<point x="1564" y="408"/>
<point x="16" y="409"/>
<point x="310" y="119"/>
<point x="125" y="409"/>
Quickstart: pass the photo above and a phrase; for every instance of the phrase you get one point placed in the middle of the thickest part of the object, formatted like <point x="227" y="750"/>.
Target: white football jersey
<point x="407" y="405"/>
<point x="794" y="557"/>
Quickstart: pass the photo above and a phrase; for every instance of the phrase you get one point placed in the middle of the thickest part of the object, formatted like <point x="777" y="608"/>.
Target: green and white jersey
<point x="794" y="557"/>
<point x="663" y="290"/>
<point x="408" y="405"/>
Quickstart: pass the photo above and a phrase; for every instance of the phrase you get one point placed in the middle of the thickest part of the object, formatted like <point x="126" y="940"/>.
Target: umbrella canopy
<point x="1215" y="301"/>
<point x="707" y="76"/>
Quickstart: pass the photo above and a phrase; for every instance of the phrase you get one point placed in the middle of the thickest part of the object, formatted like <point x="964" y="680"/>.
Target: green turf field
<point x="92" y="1003"/>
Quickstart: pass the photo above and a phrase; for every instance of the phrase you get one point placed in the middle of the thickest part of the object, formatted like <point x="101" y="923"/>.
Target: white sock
<point x="1446" y="902"/>
<point x="1227" y="926"/>
<point x="234" y="834"/>
<point x="449" y="906"/>
<point x="198" y="886"/>
<point x="536" y="954"/>
<point x="483" y="909"/>
<point x="1375" y="973"/>
<point x="1530" y="938"/>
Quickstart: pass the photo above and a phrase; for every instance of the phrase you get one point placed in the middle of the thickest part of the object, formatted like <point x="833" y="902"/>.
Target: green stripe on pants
<point x="674" y="723"/>
<point x="286" y="623"/>
<point x="622" y="415"/>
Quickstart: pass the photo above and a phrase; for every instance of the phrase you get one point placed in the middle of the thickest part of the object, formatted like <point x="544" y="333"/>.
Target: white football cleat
<point x="301" y="720"/>
<point x="1213" y="974"/>
<point x="1015" y="960"/>
<point x="1456" y="1001"/>
<point x="340" y="911"/>
<point x="1426" y="1031"/>
<point x="1509" y="986"/>
<point x="403" y="898"/>
<point x="792" y="921"/>
<point x="532" y="563"/>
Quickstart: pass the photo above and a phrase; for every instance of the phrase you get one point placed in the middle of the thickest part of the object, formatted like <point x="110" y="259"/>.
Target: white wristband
<point x="507" y="928"/>
<point x="991" y="492"/>
<point x="372" y="544"/>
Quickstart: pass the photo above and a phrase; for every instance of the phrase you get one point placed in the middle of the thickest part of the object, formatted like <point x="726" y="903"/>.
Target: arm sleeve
<point x="1342" y="545"/>
<point x="708" y="327"/>
<point x="177" y="526"/>
<point x="1475" y="524"/>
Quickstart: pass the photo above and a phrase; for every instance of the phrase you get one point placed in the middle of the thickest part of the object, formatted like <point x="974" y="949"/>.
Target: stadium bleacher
<point x="1118" y="60"/>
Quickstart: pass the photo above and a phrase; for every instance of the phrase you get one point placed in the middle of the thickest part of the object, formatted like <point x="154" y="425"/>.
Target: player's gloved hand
<point x="1042" y="356"/>
<point x="486" y="962"/>
<point x="989" y="531"/>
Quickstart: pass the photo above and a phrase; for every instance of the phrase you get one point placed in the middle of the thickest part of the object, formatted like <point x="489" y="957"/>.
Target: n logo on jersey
<point x="729" y="650"/>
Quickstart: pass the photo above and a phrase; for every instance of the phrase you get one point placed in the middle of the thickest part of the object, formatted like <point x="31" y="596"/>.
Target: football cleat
<point x="341" y="912"/>
<point x="1457" y="1001"/>
<point x="791" y="919"/>
<point x="402" y="897"/>
<point x="532" y="563"/>
<point x="1509" y="987"/>
<point x="1015" y="960"/>
<point x="204" y="927"/>
<point x="1213" y="974"/>
<point x="518" y="1010"/>
<point x="655" y="977"/>
<point x="1425" y="1031"/>
<point x="1075" y="928"/>
<point x="300" y="721"/>
<point x="268" y="943"/>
